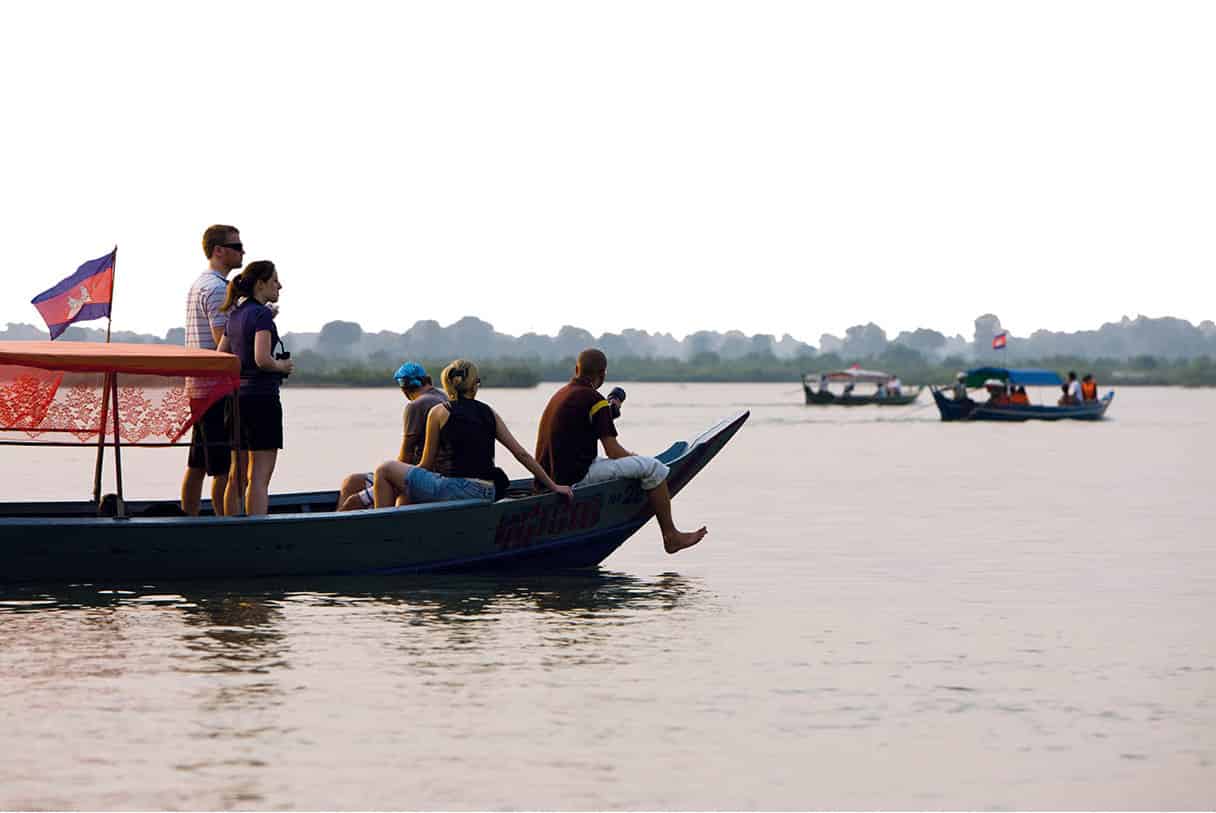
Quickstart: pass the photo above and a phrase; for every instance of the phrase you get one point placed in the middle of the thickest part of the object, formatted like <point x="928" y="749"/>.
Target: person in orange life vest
<point x="996" y="392"/>
<point x="1089" y="388"/>
<point x="1019" y="397"/>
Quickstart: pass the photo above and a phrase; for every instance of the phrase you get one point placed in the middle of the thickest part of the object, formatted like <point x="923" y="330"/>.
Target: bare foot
<point x="679" y="540"/>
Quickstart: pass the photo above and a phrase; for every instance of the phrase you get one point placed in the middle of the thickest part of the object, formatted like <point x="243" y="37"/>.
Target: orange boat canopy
<point x="85" y="390"/>
<point x="139" y="359"/>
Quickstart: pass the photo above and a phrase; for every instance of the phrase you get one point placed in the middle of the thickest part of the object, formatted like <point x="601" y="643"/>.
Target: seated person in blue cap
<point x="467" y="429"/>
<point x="417" y="387"/>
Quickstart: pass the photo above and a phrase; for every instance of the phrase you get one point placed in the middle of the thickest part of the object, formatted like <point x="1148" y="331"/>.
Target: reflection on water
<point x="244" y="673"/>
<point x="233" y="632"/>
<point x="245" y="612"/>
<point x="246" y="628"/>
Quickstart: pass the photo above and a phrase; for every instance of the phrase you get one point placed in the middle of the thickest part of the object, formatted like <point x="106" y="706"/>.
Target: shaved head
<point x="591" y="362"/>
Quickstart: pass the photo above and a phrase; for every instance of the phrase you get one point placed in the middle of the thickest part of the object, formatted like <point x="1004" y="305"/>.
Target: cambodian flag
<point x="83" y="296"/>
<point x="998" y="341"/>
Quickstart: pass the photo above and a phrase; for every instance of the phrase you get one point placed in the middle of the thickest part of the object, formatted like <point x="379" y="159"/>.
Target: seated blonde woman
<point x="466" y="428"/>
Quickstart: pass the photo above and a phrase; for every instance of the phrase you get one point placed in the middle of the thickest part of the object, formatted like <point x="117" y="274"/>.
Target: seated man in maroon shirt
<point x="578" y="418"/>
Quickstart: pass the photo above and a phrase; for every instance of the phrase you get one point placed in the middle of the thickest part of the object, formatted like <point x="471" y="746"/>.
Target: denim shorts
<point x="427" y="486"/>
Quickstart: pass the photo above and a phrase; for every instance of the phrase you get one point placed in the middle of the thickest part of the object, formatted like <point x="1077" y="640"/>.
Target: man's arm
<point x="405" y="428"/>
<point x="504" y="436"/>
<point x="613" y="448"/>
<point x="217" y="320"/>
<point x="435" y="421"/>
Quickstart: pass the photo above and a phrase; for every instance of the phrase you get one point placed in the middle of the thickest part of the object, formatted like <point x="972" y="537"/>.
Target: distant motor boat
<point x="965" y="409"/>
<point x="816" y="388"/>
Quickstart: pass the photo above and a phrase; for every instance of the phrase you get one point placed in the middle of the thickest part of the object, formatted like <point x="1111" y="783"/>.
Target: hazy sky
<point x="771" y="167"/>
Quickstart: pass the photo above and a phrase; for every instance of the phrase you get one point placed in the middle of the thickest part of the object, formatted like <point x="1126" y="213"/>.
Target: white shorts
<point x="368" y="496"/>
<point x="635" y="467"/>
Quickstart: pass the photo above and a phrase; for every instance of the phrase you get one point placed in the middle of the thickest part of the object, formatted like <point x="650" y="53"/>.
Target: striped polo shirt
<point x="202" y="313"/>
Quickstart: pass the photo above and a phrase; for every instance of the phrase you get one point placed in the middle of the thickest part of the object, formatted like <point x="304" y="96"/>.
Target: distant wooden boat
<point x="816" y="388"/>
<point x="955" y="409"/>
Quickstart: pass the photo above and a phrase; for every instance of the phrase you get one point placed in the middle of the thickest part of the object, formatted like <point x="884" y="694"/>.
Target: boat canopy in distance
<point x="855" y="374"/>
<point x="1022" y="378"/>
<point x="63" y="388"/>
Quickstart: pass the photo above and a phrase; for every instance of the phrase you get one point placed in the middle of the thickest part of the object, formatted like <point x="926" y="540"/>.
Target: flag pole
<point x="113" y="279"/>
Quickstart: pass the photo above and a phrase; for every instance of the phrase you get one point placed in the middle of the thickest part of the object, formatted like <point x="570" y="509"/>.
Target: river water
<point x="888" y="612"/>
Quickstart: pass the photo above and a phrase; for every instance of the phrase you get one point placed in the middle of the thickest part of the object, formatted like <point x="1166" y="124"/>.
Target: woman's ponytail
<point x="460" y="379"/>
<point x="242" y="284"/>
<point x="234" y="293"/>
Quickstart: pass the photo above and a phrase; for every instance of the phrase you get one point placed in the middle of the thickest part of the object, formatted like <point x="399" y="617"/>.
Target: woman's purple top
<point x="246" y="320"/>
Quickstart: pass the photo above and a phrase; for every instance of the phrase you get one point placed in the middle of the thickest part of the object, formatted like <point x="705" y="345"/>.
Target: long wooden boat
<point x="954" y="409"/>
<point x="831" y="399"/>
<point x="56" y="542"/>
<point x="816" y="389"/>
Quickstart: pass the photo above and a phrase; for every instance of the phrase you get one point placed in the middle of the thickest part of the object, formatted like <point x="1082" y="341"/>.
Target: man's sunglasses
<point x="234" y="246"/>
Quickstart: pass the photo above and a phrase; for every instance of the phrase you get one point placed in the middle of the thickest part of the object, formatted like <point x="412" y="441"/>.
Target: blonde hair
<point x="460" y="379"/>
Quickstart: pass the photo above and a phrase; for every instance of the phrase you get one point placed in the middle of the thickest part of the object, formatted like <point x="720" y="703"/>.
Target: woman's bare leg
<point x="390" y="483"/>
<point x="257" y="495"/>
<point x="236" y="485"/>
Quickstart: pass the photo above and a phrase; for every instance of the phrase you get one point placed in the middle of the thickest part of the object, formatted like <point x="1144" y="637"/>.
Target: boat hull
<point x="814" y="398"/>
<point x="952" y="410"/>
<point x="57" y="542"/>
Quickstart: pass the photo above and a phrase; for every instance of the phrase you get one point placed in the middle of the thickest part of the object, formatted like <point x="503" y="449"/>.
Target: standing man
<point x="210" y="443"/>
<point x="578" y="418"/>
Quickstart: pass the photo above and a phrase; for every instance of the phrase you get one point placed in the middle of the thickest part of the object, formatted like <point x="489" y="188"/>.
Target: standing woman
<point x="251" y="335"/>
<point x="467" y="429"/>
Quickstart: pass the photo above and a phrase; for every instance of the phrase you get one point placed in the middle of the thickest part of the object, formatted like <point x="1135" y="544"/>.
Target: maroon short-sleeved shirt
<point x="575" y="419"/>
<point x="416" y="413"/>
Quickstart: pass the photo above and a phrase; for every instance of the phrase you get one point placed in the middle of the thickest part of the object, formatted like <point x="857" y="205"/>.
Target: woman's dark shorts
<point x="211" y="440"/>
<point x="261" y="422"/>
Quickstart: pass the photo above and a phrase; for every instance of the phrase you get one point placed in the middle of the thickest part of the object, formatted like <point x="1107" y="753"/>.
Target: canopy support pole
<point x="120" y="510"/>
<point x="101" y="438"/>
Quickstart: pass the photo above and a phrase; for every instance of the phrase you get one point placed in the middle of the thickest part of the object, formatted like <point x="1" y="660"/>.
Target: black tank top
<point x="469" y="435"/>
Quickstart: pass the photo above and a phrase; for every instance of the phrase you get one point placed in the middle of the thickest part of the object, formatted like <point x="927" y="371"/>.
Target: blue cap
<point x="410" y="374"/>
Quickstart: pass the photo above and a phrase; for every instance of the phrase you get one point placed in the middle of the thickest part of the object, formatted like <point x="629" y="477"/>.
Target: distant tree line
<point x="911" y="367"/>
<point x="1143" y="350"/>
<point x="316" y="370"/>
<point x="313" y="369"/>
